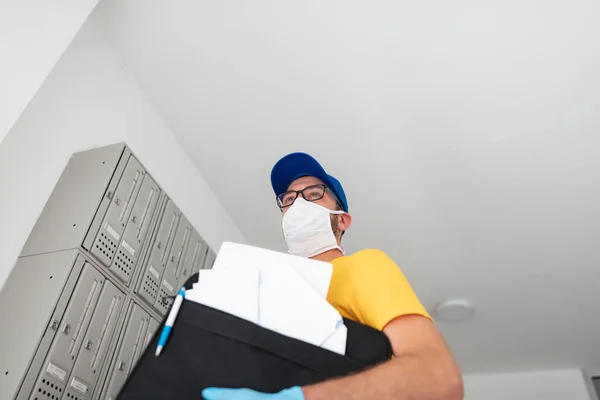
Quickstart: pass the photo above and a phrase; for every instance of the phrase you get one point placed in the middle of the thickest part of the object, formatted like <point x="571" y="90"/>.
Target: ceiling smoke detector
<point x="455" y="310"/>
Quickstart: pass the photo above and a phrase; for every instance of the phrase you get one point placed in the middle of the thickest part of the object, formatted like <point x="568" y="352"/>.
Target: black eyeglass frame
<point x="301" y="192"/>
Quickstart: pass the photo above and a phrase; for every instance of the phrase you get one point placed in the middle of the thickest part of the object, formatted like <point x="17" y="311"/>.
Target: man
<point x="367" y="287"/>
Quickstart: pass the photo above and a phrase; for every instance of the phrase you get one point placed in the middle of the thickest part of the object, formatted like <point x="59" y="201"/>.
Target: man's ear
<point x="344" y="222"/>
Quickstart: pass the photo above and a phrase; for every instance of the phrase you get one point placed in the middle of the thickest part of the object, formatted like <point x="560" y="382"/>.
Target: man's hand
<point x="294" y="393"/>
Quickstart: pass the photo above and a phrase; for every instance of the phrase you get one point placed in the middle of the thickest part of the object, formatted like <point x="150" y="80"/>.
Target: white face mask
<point x="307" y="229"/>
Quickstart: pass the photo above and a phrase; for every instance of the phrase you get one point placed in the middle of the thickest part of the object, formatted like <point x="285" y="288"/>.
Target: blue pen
<point x="164" y="335"/>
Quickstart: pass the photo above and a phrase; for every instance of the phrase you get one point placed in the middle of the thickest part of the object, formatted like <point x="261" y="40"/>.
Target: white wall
<point x="33" y="36"/>
<point x="89" y="100"/>
<point x="565" y="384"/>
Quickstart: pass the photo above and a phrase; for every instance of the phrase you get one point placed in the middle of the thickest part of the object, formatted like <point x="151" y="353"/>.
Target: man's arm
<point x="423" y="369"/>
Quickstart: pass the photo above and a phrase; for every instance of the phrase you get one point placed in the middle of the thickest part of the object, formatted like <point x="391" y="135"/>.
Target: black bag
<point x="208" y="347"/>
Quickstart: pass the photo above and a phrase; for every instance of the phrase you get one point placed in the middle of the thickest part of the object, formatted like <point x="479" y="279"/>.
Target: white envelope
<point x="243" y="257"/>
<point x="232" y="291"/>
<point x="337" y="341"/>
<point x="290" y="306"/>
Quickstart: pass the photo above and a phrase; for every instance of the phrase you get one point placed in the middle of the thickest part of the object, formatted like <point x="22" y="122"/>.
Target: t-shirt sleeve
<point x="380" y="291"/>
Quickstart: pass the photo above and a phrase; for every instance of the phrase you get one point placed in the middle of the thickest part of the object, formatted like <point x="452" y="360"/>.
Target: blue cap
<point x="297" y="165"/>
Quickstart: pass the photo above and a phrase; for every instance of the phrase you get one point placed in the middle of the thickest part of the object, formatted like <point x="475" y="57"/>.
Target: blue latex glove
<point x="294" y="393"/>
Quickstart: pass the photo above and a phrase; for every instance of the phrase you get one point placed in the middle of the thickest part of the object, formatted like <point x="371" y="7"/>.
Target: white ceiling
<point x="466" y="134"/>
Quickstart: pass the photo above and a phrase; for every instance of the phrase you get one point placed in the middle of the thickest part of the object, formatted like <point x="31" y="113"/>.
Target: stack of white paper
<point x="238" y="256"/>
<point x="233" y="292"/>
<point x="280" y="292"/>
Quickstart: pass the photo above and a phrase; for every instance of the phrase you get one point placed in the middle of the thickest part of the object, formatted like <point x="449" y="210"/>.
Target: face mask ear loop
<point x="339" y="203"/>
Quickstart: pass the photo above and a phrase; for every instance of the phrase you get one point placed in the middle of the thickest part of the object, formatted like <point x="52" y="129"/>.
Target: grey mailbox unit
<point x="94" y="279"/>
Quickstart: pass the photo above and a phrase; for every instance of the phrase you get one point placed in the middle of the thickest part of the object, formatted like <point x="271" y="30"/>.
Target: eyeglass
<point x="310" y="193"/>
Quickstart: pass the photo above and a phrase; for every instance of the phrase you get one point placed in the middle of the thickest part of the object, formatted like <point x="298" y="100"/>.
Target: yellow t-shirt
<point x="368" y="287"/>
